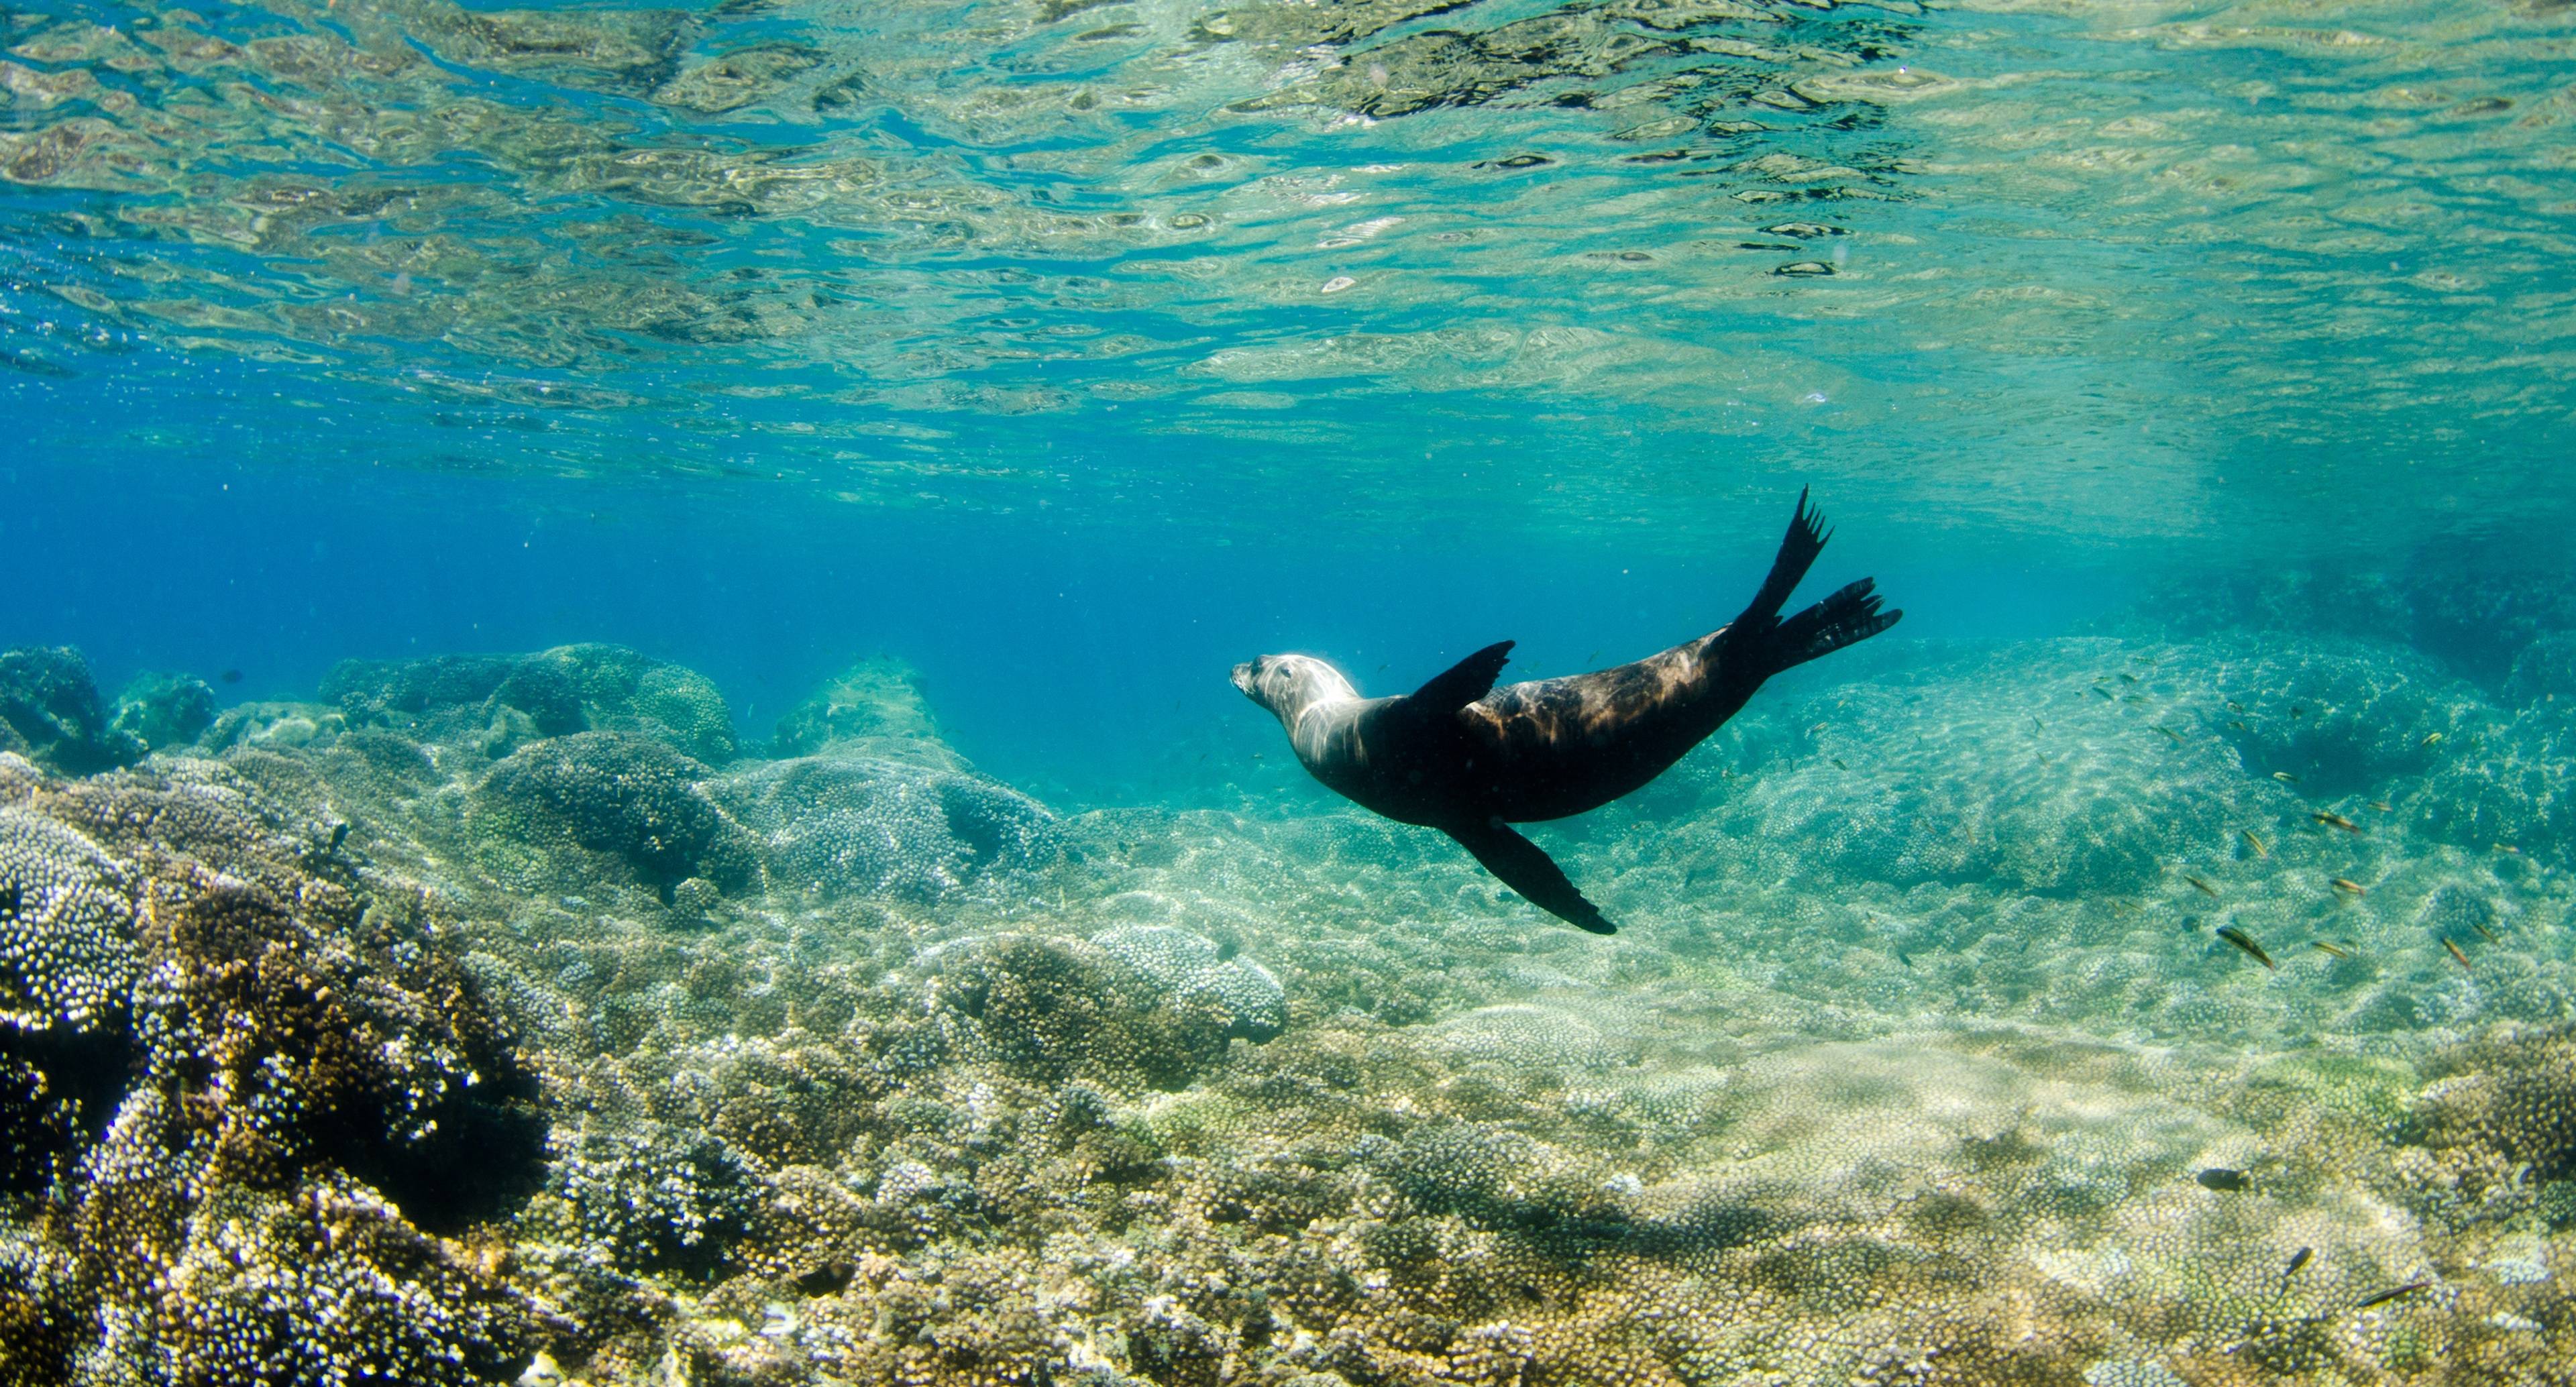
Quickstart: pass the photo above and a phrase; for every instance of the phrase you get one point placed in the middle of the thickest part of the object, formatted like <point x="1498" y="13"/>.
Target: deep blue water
<point x="1053" y="658"/>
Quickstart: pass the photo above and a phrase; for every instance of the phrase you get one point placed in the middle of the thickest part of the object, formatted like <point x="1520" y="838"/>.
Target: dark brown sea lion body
<point x="1469" y="759"/>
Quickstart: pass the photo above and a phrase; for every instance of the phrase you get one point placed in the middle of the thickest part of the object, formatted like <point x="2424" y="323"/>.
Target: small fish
<point x="2235" y="707"/>
<point x="2133" y="698"/>
<point x="2380" y="804"/>
<point x="1905" y="958"/>
<point x="2508" y="848"/>
<point x="2346" y="886"/>
<point x="2481" y="928"/>
<point x="2201" y="886"/>
<point x="2169" y="732"/>
<point x="2297" y="712"/>
<point x="2430" y="739"/>
<point x="2456" y="956"/>
<point x="2332" y="819"/>
<point x="2384" y="1297"/>
<point x="2255" y="841"/>
<point x="2219" y="1177"/>
<point x="1838" y="763"/>
<point x="2106" y="693"/>
<point x="1819" y="727"/>
<point x="2036" y="725"/>
<point x="2331" y="950"/>
<point x="230" y="676"/>
<point x="2298" y="1259"/>
<point x="2128" y="677"/>
<point x="2239" y="724"/>
<point x="2285" y="777"/>
<point x="2241" y="940"/>
<point x="1595" y="655"/>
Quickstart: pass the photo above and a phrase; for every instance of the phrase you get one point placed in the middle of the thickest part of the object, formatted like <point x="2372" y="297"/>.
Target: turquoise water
<point x="672" y="572"/>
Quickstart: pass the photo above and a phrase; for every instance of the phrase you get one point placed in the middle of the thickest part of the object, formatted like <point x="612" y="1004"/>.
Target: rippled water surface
<point x="2133" y="271"/>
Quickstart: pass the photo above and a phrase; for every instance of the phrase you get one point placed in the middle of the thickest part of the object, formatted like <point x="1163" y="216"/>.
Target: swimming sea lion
<point x="1464" y="757"/>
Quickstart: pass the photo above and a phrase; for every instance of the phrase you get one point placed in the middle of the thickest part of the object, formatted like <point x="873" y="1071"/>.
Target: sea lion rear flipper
<point x="1768" y="644"/>
<point x="1798" y="551"/>
<point x="1522" y="867"/>
<point x="1466" y="681"/>
<point x="1846" y="618"/>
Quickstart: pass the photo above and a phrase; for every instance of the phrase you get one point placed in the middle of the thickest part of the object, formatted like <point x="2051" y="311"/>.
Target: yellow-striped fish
<point x="2255" y="841"/>
<point x="2456" y="956"/>
<point x="2332" y="950"/>
<point x="2346" y="887"/>
<point x="2243" y="941"/>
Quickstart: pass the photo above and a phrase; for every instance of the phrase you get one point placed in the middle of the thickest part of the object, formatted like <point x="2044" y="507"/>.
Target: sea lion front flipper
<point x="1466" y="681"/>
<point x="1522" y="867"/>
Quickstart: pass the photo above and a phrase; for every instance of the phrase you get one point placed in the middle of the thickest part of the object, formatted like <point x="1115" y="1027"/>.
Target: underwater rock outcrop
<point x="504" y="701"/>
<point x="873" y="708"/>
<point x="165" y="712"/>
<point x="50" y="711"/>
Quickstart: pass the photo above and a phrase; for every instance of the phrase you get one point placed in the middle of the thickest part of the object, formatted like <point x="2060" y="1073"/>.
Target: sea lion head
<point x="1288" y="684"/>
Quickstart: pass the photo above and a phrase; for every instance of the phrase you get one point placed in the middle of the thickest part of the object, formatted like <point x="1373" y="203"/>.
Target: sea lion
<point x="1464" y="757"/>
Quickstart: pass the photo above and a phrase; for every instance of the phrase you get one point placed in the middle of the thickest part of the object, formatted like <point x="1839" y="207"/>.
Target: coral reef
<point x="593" y="804"/>
<point x="843" y="824"/>
<point x="441" y="1033"/>
<point x="266" y="1080"/>
<point x="2505" y="1106"/>
<point x="1192" y="967"/>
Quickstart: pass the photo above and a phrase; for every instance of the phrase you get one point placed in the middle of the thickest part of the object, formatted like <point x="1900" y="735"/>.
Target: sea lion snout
<point x="1243" y="677"/>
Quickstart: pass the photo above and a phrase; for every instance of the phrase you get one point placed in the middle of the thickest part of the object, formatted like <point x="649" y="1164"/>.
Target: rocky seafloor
<point x="516" y="1019"/>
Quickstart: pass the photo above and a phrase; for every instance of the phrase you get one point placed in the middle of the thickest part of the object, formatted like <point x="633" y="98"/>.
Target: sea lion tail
<point x="1846" y="618"/>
